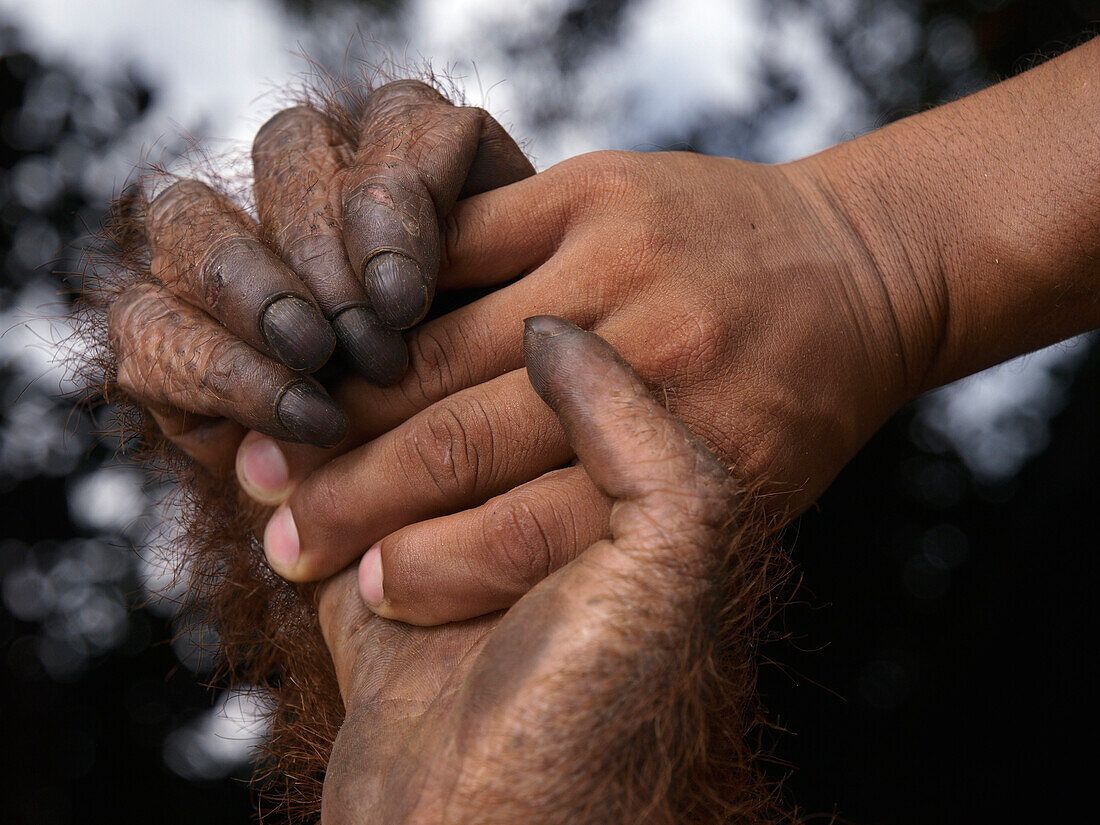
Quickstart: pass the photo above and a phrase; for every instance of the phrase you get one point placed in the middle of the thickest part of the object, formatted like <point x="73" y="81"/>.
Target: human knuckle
<point x="519" y="538"/>
<point x="432" y="351"/>
<point x="693" y="338"/>
<point x="609" y="176"/>
<point x="443" y="446"/>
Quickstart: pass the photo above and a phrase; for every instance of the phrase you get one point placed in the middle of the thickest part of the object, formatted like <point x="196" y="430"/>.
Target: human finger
<point x="211" y="441"/>
<point x="501" y="235"/>
<point x="454" y="455"/>
<point x="671" y="494"/>
<point x="465" y="348"/>
<point x="417" y="155"/>
<point x="171" y="356"/>
<point x="298" y="159"/>
<point x="476" y="561"/>
<point x="207" y="251"/>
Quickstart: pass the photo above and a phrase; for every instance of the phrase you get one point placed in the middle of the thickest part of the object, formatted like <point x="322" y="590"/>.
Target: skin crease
<point x="220" y="275"/>
<point x="783" y="312"/>
<point x="805" y="302"/>
<point x="534" y="715"/>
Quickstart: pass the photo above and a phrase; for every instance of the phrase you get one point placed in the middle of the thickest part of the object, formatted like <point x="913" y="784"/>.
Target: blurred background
<point x="939" y="665"/>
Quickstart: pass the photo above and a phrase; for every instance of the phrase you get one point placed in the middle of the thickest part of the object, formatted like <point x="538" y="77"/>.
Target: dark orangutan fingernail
<point x="397" y="289"/>
<point x="543" y="352"/>
<point x="298" y="333"/>
<point x="547" y="325"/>
<point x="377" y="351"/>
<point x="309" y="414"/>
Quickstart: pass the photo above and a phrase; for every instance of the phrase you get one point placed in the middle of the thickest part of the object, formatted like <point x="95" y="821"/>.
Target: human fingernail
<point x="370" y="576"/>
<point x="397" y="288"/>
<point x="297" y="333"/>
<point x="377" y="351"/>
<point x="262" y="469"/>
<point x="281" y="540"/>
<point x="307" y="413"/>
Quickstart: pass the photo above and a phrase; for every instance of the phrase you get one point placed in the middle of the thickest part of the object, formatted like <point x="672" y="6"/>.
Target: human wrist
<point x="982" y="218"/>
<point x="892" y="289"/>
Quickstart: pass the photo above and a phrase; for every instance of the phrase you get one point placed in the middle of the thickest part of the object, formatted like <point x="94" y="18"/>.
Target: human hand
<point x="618" y="690"/>
<point x="737" y="291"/>
<point x="228" y="314"/>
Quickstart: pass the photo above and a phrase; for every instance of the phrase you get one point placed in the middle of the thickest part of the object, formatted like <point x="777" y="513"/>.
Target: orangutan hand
<point x="233" y="314"/>
<point x="619" y="690"/>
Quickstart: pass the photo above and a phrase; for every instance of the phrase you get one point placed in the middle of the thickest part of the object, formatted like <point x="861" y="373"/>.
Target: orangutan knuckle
<point x="518" y="540"/>
<point x="704" y="493"/>
<point x="172" y="204"/>
<point x="406" y="89"/>
<point x="123" y="316"/>
<point x="285" y="128"/>
<point x="219" y="365"/>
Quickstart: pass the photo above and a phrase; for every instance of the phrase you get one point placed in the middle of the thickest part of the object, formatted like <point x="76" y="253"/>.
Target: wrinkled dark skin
<point x="536" y="715"/>
<point x="235" y="313"/>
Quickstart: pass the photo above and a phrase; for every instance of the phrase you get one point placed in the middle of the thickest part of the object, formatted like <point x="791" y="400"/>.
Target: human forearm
<point x="983" y="218"/>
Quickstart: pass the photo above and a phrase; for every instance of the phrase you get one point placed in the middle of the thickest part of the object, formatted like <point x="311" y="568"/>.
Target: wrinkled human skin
<point x="722" y="287"/>
<point x="227" y="316"/>
<point x="729" y="286"/>
<point x="783" y="312"/>
<point x="618" y="690"/>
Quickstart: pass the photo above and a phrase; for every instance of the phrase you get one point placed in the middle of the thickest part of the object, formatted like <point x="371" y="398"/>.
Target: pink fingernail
<point x="281" y="540"/>
<point x="261" y="465"/>
<point x="370" y="576"/>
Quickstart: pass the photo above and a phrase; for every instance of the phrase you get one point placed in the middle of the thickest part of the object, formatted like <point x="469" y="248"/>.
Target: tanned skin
<point x="783" y="311"/>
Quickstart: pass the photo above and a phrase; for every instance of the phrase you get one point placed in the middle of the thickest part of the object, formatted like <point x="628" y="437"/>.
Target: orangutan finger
<point x="208" y="252"/>
<point x="171" y="355"/>
<point x="417" y="155"/>
<point x="671" y="492"/>
<point x="298" y="158"/>
<point x="211" y="441"/>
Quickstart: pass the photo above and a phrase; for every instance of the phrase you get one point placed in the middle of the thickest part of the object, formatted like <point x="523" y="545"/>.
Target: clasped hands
<point x="466" y="460"/>
<point x="774" y="316"/>
<point x="725" y="284"/>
